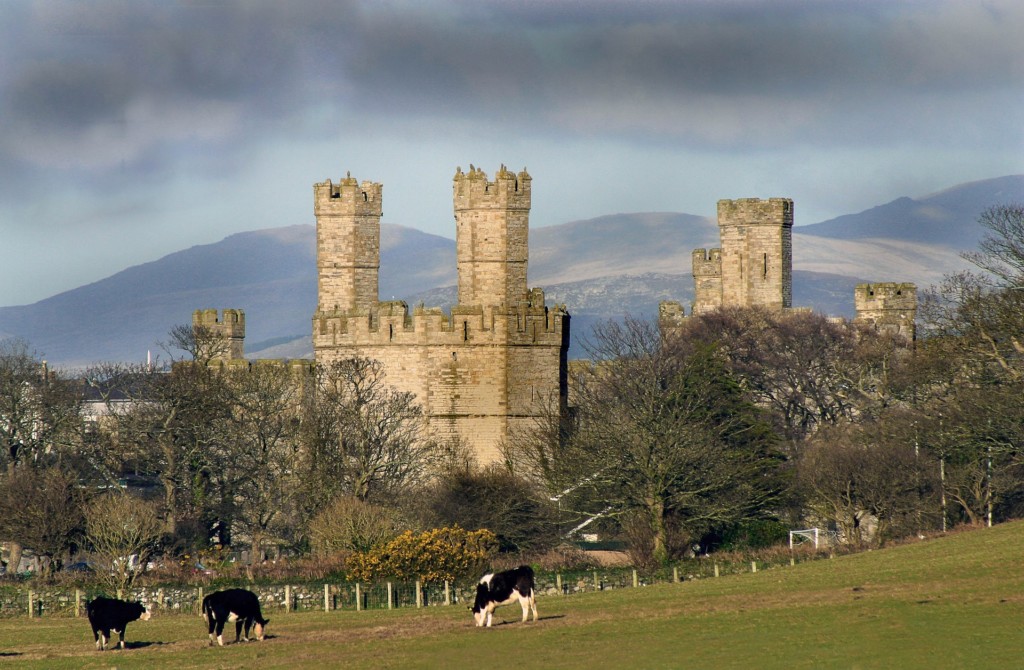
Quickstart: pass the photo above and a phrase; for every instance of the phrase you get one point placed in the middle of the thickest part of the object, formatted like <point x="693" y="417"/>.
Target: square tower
<point x="492" y="221"/>
<point x="757" y="252"/>
<point x="347" y="243"/>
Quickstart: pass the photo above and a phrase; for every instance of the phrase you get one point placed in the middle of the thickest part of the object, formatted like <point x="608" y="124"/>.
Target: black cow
<point x="238" y="605"/>
<point x="504" y="588"/>
<point x="109" y="614"/>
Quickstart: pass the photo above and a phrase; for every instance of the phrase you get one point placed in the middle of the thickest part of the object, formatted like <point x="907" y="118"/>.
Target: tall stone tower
<point x="491" y="236"/>
<point x="757" y="252"/>
<point x="888" y="306"/>
<point x="231" y="327"/>
<point x="497" y="362"/>
<point x="347" y="243"/>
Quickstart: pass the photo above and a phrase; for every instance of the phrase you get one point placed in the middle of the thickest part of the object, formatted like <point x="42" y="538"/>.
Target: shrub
<point x="432" y="556"/>
<point x="350" y="524"/>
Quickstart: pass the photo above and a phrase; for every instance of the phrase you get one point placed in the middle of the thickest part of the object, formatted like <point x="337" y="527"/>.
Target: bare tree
<point x="350" y="524"/>
<point x="42" y="510"/>
<point x="123" y="532"/>
<point x="362" y="437"/>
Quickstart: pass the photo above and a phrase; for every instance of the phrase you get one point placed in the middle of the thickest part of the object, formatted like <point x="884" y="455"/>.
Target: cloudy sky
<point x="130" y="129"/>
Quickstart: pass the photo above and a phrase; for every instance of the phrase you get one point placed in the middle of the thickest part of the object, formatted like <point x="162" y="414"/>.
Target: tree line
<point x="726" y="433"/>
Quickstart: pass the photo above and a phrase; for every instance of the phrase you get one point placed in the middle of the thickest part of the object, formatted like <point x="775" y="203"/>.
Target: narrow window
<point x="765" y="275"/>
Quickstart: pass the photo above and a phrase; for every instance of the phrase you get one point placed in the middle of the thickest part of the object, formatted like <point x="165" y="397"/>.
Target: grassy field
<point x="951" y="602"/>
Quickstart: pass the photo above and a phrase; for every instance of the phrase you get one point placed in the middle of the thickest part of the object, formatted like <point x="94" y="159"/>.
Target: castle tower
<point x="347" y="243"/>
<point x="231" y="327"/>
<point x="888" y="306"/>
<point x="491" y="236"/>
<point x="707" y="280"/>
<point x="757" y="252"/>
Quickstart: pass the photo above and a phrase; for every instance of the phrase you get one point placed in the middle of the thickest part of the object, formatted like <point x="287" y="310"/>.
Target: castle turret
<point x="757" y="252"/>
<point x="888" y="306"/>
<point x="230" y="327"/>
<point x="707" y="280"/>
<point x="347" y="243"/>
<point x="491" y="236"/>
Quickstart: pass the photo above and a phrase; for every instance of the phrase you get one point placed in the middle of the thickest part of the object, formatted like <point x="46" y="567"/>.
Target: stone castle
<point x="498" y="360"/>
<point x="754" y="268"/>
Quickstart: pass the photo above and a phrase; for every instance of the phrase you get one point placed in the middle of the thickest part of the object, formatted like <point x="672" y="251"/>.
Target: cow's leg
<point x="211" y="623"/>
<point x="220" y="632"/>
<point x="104" y="637"/>
<point x="96" y="636"/>
<point x="490" y="613"/>
<point x="524" y="602"/>
<point x="120" y="637"/>
<point x="238" y="629"/>
<point x="533" y="604"/>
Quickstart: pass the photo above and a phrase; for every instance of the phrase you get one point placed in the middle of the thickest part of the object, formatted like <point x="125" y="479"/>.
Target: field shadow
<point x="5" y="654"/>
<point x="142" y="644"/>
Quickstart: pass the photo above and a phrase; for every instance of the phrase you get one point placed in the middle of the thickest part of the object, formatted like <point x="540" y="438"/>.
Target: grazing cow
<point x="109" y="614"/>
<point x="504" y="588"/>
<point x="238" y="605"/>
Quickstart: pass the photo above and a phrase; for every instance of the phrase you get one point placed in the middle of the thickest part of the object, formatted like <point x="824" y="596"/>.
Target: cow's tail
<point x="205" y="607"/>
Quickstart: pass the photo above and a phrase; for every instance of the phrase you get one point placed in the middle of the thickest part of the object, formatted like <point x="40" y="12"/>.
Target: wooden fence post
<point x="558" y="582"/>
<point x="199" y="602"/>
<point x="287" y="598"/>
<point x="597" y="584"/>
<point x="31" y="609"/>
<point x="636" y="579"/>
<point x="675" y="574"/>
<point x="447" y="593"/>
<point x="78" y="603"/>
<point x="327" y="598"/>
<point x="390" y="591"/>
<point x="419" y="594"/>
<point x="359" y="598"/>
<point x="753" y="566"/>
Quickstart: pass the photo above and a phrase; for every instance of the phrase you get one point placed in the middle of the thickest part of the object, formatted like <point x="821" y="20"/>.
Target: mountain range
<point x="599" y="268"/>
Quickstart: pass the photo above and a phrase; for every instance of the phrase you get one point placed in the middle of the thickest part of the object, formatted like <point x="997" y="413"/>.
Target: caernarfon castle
<point x="754" y="268"/>
<point x="496" y="362"/>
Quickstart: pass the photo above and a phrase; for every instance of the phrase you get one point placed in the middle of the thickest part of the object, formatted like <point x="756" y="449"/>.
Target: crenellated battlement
<point x="756" y="212"/>
<point x="391" y="323"/>
<point x="347" y="198"/>
<point x="707" y="263"/>
<point x="509" y="190"/>
<point x="230" y="325"/>
<point x="885" y="295"/>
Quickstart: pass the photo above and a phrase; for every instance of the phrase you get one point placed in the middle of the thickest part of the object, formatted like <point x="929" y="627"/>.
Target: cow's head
<point x="480" y="604"/>
<point x="259" y="628"/>
<point x="144" y="613"/>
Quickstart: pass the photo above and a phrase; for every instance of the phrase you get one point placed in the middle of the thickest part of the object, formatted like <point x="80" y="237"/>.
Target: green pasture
<point x="950" y="602"/>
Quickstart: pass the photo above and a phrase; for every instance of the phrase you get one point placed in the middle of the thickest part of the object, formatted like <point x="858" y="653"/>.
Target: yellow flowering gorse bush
<point x="435" y="555"/>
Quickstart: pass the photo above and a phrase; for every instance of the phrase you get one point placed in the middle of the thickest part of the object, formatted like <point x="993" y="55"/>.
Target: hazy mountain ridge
<point x="599" y="268"/>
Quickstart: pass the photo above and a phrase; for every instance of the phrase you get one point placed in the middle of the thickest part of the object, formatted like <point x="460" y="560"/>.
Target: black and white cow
<point x="502" y="588"/>
<point x="238" y="605"/>
<point x="109" y="614"/>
